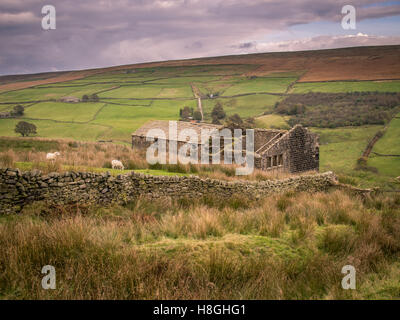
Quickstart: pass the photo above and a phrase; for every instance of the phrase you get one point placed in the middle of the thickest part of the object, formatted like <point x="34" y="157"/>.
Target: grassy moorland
<point x="30" y="153"/>
<point x="290" y="246"/>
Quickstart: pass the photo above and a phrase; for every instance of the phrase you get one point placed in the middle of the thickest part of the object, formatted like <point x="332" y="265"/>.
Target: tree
<point x="236" y="119"/>
<point x="215" y="120"/>
<point x="218" y="111"/>
<point x="186" y="113"/>
<point x="94" y="97"/>
<point x="197" y="115"/>
<point x="234" y="122"/>
<point x="18" y="110"/>
<point x="250" y="123"/>
<point x="25" y="128"/>
<point x="85" y="98"/>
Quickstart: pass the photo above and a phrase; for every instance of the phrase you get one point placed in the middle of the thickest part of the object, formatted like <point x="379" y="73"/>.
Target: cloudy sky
<point x="100" y="33"/>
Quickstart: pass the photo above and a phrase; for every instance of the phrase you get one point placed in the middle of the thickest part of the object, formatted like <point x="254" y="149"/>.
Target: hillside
<point x="359" y="63"/>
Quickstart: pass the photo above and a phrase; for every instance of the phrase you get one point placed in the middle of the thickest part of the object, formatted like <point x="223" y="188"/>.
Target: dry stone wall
<point x="20" y="188"/>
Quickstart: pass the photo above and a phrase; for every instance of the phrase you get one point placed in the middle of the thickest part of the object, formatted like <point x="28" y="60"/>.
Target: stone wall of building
<point x="139" y="142"/>
<point x="295" y="151"/>
<point x="262" y="136"/>
<point x="303" y="150"/>
<point x="20" y="188"/>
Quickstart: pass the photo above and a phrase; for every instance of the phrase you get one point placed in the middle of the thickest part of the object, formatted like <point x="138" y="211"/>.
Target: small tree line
<point x="90" y="98"/>
<point x="17" y="111"/>
<point x="219" y="117"/>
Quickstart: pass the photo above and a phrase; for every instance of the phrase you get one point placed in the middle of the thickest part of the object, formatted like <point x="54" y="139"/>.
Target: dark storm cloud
<point x="110" y="32"/>
<point x="246" y="45"/>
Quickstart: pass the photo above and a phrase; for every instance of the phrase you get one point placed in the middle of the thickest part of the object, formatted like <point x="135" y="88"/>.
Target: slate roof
<point x="181" y="125"/>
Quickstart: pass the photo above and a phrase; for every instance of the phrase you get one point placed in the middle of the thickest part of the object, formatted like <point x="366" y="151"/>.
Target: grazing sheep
<point x="398" y="178"/>
<point x="52" y="156"/>
<point x="116" y="164"/>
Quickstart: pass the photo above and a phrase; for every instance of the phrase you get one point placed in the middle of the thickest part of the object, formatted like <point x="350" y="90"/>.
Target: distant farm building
<point x="294" y="150"/>
<point x="70" y="99"/>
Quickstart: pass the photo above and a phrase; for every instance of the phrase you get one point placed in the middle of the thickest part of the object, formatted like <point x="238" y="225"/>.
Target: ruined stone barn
<point x="139" y="136"/>
<point x="294" y="150"/>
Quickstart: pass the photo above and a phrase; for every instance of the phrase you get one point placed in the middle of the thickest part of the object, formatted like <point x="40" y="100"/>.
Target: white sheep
<point x="116" y="164"/>
<point x="52" y="156"/>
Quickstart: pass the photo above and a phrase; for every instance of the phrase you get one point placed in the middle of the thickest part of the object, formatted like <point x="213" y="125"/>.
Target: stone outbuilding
<point x="294" y="150"/>
<point x="70" y="99"/>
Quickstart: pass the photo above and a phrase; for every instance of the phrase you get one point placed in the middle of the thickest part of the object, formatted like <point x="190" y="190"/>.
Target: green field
<point x="134" y="91"/>
<point x="185" y="79"/>
<point x="51" y="93"/>
<point x="53" y="129"/>
<point x="9" y="107"/>
<point x="75" y="112"/>
<point x="270" y="85"/>
<point x="33" y="94"/>
<point x="272" y="121"/>
<point x="347" y="86"/>
<point x="124" y="120"/>
<point x="388" y="144"/>
<point x="182" y="91"/>
<point x="245" y="106"/>
<point x="128" y="100"/>
<point x="341" y="147"/>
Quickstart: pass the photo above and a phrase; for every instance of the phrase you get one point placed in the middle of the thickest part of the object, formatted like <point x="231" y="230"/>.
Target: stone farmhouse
<point x="294" y="150"/>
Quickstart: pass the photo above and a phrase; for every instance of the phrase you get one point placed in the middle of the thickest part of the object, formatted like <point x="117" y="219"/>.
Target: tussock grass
<point x="289" y="246"/>
<point x="87" y="156"/>
<point x="7" y="159"/>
